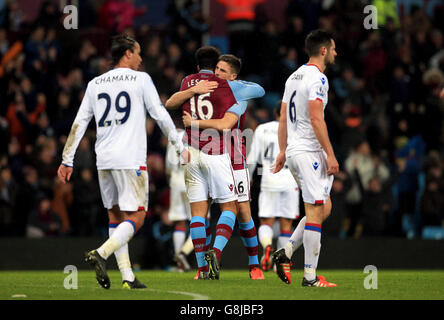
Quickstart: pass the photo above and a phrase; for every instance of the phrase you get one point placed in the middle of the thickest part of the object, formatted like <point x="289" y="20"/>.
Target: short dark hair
<point x="234" y="62"/>
<point x="119" y="44"/>
<point x="317" y="39"/>
<point x="207" y="57"/>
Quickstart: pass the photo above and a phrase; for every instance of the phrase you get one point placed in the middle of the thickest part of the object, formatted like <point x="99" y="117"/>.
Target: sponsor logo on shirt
<point x="315" y="165"/>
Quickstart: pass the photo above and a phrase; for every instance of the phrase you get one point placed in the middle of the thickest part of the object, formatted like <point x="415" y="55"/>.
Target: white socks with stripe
<point x="295" y="240"/>
<point x="123" y="260"/>
<point x="312" y="248"/>
<point x="121" y="236"/>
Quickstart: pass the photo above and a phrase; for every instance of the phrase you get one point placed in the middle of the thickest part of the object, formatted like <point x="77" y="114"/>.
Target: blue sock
<point x="208" y="234"/>
<point x="198" y="235"/>
<point x="224" y="229"/>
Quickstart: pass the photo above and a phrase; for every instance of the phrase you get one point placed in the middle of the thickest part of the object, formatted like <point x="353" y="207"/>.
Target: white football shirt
<point x="264" y="150"/>
<point x="119" y="100"/>
<point x="306" y="83"/>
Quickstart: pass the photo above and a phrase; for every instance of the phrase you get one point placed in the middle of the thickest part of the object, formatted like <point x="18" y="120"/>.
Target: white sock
<point x="121" y="236"/>
<point x="178" y="240"/>
<point x="265" y="235"/>
<point x="188" y="246"/>
<point x="123" y="260"/>
<point x="312" y="248"/>
<point x="282" y="241"/>
<point x="295" y="240"/>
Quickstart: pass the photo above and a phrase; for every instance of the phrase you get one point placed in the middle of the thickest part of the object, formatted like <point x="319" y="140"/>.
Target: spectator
<point x="378" y="200"/>
<point x="432" y="204"/>
<point x="43" y="222"/>
<point x="338" y="224"/>
<point x="8" y="191"/>
<point x="367" y="166"/>
<point x="87" y="203"/>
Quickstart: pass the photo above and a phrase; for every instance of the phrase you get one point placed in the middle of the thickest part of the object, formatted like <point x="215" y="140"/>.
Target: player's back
<point x="118" y="103"/>
<point x="212" y="105"/>
<point x="306" y="83"/>
<point x="267" y="149"/>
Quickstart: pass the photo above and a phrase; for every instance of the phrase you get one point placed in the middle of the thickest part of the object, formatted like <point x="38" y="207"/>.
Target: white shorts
<point x="179" y="206"/>
<point x="242" y="181"/>
<point x="209" y="176"/>
<point x="310" y="171"/>
<point x="279" y="204"/>
<point x="127" y="188"/>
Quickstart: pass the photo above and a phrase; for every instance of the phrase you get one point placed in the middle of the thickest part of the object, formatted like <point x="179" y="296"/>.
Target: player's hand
<point x="204" y="86"/>
<point x="332" y="165"/>
<point x="279" y="164"/>
<point x="187" y="119"/>
<point x="185" y="157"/>
<point x="442" y="93"/>
<point x="64" y="173"/>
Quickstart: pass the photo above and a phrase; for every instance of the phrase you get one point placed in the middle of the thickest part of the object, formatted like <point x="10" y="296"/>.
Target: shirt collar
<point x="206" y="71"/>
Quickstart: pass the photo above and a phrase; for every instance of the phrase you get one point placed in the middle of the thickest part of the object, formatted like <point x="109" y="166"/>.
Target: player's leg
<point x="315" y="193"/>
<point x="225" y="225"/>
<point x="312" y="239"/>
<point x="247" y="228"/>
<point x="121" y="254"/>
<point x="179" y="213"/>
<point x="132" y="198"/>
<point x="179" y="238"/>
<point x="249" y="239"/>
<point x="285" y="226"/>
<point x="222" y="189"/>
<point x="265" y="236"/>
<point x="196" y="183"/>
<point x="198" y="234"/>
<point x="266" y="213"/>
<point x="295" y="240"/>
<point x="109" y="194"/>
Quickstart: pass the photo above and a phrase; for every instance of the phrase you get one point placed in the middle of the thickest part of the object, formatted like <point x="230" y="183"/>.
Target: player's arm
<point x="244" y="90"/>
<point x="180" y="97"/>
<point x="227" y="122"/>
<point x="316" y="112"/>
<point x="158" y="112"/>
<point x="282" y="139"/>
<point x="231" y="117"/>
<point x="78" y="129"/>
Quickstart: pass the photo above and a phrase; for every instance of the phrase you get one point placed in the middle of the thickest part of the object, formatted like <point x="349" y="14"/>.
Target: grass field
<point x="233" y="285"/>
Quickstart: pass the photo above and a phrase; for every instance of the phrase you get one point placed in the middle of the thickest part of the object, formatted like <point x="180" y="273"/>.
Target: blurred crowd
<point x="385" y="117"/>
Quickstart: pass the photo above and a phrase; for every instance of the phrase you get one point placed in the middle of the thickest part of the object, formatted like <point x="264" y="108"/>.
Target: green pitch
<point x="233" y="285"/>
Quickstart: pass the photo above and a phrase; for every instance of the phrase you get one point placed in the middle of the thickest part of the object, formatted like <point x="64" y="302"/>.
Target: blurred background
<point x="384" y="115"/>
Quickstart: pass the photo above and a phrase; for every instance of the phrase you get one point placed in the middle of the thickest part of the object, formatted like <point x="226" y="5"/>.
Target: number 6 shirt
<point x="119" y="101"/>
<point x="306" y="83"/>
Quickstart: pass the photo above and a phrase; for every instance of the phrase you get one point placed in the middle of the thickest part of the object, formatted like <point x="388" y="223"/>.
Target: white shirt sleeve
<point x="158" y="112"/>
<point x="318" y="89"/>
<point x="79" y="126"/>
<point x="287" y="92"/>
